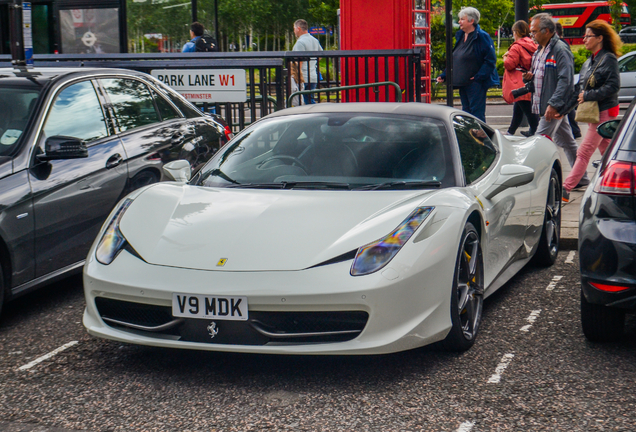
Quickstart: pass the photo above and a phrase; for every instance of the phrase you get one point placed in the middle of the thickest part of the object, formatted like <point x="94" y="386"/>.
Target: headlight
<point x="113" y="241"/>
<point x="374" y="256"/>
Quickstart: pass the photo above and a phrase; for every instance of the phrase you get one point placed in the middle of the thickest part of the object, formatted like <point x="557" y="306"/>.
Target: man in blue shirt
<point x="196" y="31"/>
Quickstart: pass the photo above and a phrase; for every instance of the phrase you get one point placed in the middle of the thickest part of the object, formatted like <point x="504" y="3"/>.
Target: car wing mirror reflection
<point x="178" y="170"/>
<point x="63" y="147"/>
<point x="510" y="176"/>
<point x="608" y="129"/>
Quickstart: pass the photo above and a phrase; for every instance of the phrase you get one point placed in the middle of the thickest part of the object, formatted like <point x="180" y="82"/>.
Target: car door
<point x="627" y="68"/>
<point x="506" y="213"/>
<point x="73" y="197"/>
<point x="152" y="132"/>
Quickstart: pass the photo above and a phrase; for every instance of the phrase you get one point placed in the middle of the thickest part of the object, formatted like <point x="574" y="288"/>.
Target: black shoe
<point x="565" y="196"/>
<point x="582" y="183"/>
<point x="526" y="133"/>
<point x="577" y="135"/>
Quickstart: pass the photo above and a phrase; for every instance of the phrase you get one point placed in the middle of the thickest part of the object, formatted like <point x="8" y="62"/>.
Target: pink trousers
<point x="591" y="142"/>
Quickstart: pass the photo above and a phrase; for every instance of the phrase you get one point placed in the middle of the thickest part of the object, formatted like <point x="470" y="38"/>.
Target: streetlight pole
<point x="194" y="10"/>
<point x="449" y="52"/>
<point x="216" y="22"/>
<point x="521" y="10"/>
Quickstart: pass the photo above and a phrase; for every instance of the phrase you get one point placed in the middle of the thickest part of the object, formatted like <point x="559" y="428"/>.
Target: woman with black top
<point x="599" y="81"/>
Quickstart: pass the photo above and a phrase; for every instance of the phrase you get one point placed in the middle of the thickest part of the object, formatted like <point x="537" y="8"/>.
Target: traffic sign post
<point x="27" y="33"/>
<point x="16" y="34"/>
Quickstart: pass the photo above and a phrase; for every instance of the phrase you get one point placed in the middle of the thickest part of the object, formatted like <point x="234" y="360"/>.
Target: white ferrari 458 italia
<point x="362" y="228"/>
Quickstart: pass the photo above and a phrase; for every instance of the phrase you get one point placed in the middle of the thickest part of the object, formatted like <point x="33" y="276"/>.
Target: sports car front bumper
<point x="408" y="302"/>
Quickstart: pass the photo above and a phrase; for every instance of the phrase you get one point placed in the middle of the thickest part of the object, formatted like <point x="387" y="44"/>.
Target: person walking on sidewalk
<point x="307" y="42"/>
<point x="600" y="81"/>
<point x="552" y="80"/>
<point x="475" y="60"/>
<point x="576" y="130"/>
<point x="518" y="59"/>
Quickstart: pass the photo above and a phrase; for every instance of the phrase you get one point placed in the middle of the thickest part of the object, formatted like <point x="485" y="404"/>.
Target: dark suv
<point x="607" y="235"/>
<point x="73" y="142"/>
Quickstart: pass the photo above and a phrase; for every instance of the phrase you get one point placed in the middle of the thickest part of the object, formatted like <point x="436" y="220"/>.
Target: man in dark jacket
<point x="474" y="61"/>
<point x="553" y="78"/>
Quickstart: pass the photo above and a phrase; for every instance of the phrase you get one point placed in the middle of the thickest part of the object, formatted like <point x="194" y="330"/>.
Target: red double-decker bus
<point x="574" y="17"/>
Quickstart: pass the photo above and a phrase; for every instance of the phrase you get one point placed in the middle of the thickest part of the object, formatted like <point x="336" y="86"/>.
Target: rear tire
<point x="142" y="179"/>
<point x="467" y="295"/>
<point x="548" y="248"/>
<point x="2" y="293"/>
<point x="601" y="323"/>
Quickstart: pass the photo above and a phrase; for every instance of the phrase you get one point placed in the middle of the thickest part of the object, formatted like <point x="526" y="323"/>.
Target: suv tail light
<point x="619" y="178"/>
<point x="228" y="133"/>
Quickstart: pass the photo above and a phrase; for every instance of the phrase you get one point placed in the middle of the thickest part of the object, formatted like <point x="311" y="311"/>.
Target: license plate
<point x="209" y="307"/>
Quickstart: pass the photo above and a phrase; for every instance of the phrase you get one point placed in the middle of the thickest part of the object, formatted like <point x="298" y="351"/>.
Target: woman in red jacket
<point x="518" y="60"/>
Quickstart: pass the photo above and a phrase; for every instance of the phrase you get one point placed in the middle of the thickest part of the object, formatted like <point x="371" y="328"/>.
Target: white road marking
<point x="552" y="285"/>
<point x="47" y="356"/>
<point x="501" y="367"/>
<point x="467" y="426"/>
<point x="531" y="319"/>
<point x="570" y="258"/>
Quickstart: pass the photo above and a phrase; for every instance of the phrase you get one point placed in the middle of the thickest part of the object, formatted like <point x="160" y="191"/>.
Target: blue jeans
<point x="309" y="98"/>
<point x="473" y="98"/>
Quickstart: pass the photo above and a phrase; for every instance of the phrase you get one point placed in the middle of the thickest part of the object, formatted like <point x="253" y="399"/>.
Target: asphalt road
<point x="531" y="369"/>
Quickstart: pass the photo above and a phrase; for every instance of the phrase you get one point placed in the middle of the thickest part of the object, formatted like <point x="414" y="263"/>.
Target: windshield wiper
<point x="315" y="185"/>
<point x="403" y="185"/>
<point x="292" y="185"/>
<point x="217" y="172"/>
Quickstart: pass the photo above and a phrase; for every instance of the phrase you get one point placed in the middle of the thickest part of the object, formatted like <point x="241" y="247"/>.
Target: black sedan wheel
<point x="601" y="323"/>
<point x="142" y="179"/>
<point x="467" y="294"/>
<point x="548" y="248"/>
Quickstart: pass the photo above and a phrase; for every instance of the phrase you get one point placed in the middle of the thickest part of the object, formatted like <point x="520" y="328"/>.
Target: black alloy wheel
<point x="601" y="323"/>
<point x="467" y="294"/>
<point x="548" y="247"/>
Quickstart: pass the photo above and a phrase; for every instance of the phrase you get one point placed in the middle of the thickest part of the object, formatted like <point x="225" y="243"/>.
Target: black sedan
<point x="73" y="142"/>
<point x="607" y="235"/>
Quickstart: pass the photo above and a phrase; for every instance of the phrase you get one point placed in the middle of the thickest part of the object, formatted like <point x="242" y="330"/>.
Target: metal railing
<point x="268" y="75"/>
<point x="398" y="90"/>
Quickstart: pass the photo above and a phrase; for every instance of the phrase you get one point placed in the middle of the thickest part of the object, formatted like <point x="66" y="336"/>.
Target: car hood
<point x="259" y="230"/>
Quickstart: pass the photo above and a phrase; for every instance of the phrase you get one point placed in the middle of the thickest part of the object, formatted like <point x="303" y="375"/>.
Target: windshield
<point x="16" y="105"/>
<point x="335" y="151"/>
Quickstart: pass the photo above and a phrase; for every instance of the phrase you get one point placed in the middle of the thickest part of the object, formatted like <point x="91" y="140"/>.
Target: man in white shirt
<point x="307" y="42"/>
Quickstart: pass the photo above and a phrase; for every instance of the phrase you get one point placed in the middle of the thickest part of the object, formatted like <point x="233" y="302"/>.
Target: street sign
<point x="89" y="39"/>
<point x="27" y="33"/>
<point x="206" y="85"/>
<point x="320" y="30"/>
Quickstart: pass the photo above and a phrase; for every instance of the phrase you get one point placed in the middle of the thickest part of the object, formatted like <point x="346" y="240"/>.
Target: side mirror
<point x="178" y="170"/>
<point x="510" y="176"/>
<point x="63" y="147"/>
<point x="608" y="128"/>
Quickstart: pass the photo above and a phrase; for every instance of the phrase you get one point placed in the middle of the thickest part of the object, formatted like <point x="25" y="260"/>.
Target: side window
<point x="629" y="65"/>
<point x="132" y="103"/>
<point x="165" y="109"/>
<point x="475" y="147"/>
<point x="76" y="112"/>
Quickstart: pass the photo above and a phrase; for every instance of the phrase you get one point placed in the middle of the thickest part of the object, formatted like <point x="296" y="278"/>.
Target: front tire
<point x="548" y="247"/>
<point x="601" y="323"/>
<point x="467" y="295"/>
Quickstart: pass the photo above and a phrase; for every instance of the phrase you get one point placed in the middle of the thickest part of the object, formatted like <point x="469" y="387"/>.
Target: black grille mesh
<point x="282" y="324"/>
<point x="133" y="313"/>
